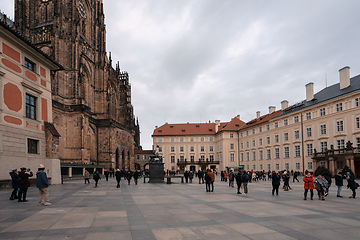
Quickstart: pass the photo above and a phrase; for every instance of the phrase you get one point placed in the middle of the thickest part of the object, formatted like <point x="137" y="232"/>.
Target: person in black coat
<point x="339" y="183"/>
<point x="352" y="185"/>
<point x="136" y="176"/>
<point x="96" y="177"/>
<point x="275" y="178"/>
<point x="245" y="179"/>
<point x="238" y="181"/>
<point x="118" y="176"/>
<point x="15" y="181"/>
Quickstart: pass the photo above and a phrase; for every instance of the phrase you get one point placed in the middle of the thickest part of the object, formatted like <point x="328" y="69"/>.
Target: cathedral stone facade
<point x="91" y="100"/>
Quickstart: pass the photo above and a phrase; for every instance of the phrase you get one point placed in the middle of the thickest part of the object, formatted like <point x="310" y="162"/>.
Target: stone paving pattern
<point x="178" y="211"/>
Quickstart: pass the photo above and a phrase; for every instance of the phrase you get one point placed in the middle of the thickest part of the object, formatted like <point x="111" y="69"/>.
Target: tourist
<point x="321" y="185"/>
<point x="352" y="185"/>
<point x="128" y="176"/>
<point x="238" y="181"/>
<point x="286" y="179"/>
<point x="201" y="176"/>
<point x="245" y="179"/>
<point x="222" y="175"/>
<point x="136" y="176"/>
<point x="42" y="183"/>
<point x="231" y="178"/>
<point x="118" y="177"/>
<point x="15" y="182"/>
<point x="87" y="176"/>
<point x="106" y="173"/>
<point x="275" y="183"/>
<point x="225" y="176"/>
<point x="339" y="183"/>
<point x="308" y="184"/>
<point x="24" y="175"/>
<point x="209" y="180"/>
<point x="328" y="179"/>
<point x="186" y="175"/>
<point x="295" y="176"/>
<point x="96" y="177"/>
<point x="191" y="176"/>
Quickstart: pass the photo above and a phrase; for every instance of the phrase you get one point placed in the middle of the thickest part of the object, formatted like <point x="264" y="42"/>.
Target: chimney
<point x="344" y="75"/>
<point x="238" y="116"/>
<point x="272" y="109"/>
<point x="258" y="114"/>
<point x="284" y="104"/>
<point x="217" y="124"/>
<point x="309" y="91"/>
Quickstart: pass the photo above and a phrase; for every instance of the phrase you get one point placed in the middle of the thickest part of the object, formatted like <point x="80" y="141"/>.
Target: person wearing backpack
<point x="245" y="179"/>
<point x="42" y="183"/>
<point x="15" y="182"/>
<point x="352" y="185"/>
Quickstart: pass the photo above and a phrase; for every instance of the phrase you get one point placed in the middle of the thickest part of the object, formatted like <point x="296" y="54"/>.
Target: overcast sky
<point x="200" y="60"/>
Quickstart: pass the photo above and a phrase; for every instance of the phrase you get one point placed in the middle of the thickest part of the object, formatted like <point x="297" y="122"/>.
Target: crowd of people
<point x="20" y="181"/>
<point x="118" y="175"/>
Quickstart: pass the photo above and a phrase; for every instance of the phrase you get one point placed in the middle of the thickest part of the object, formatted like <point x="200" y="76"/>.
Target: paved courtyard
<point x="177" y="211"/>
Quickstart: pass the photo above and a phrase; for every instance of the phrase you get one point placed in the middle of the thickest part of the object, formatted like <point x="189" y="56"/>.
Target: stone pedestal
<point x="156" y="170"/>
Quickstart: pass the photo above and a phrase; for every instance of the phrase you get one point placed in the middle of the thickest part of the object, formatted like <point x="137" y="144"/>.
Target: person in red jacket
<point x="308" y="184"/>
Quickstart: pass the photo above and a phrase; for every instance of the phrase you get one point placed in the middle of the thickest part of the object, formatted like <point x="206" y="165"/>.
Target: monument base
<point x="156" y="171"/>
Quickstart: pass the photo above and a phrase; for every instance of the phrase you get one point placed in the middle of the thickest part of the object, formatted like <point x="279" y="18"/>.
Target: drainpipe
<point x="302" y="144"/>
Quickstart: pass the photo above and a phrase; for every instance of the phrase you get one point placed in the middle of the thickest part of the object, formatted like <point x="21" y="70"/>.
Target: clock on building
<point x="81" y="9"/>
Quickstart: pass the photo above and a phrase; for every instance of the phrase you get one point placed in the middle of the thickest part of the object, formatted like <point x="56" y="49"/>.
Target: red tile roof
<point x="261" y="119"/>
<point x="196" y="128"/>
<point x="144" y="152"/>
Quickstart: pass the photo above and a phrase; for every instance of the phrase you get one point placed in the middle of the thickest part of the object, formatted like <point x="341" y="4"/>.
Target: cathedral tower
<point x="91" y="100"/>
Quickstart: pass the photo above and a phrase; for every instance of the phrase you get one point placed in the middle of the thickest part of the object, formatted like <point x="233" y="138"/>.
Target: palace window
<point x="277" y="166"/>
<point x="231" y="135"/>
<point x="253" y="131"/>
<point x="202" y="148"/>
<point x="358" y="142"/>
<point x="357" y="102"/>
<point x="242" y="157"/>
<point x="286" y="122"/>
<point x="231" y="146"/>
<point x="181" y="139"/>
<point x="253" y="155"/>
<point x="253" y="142"/>
<point x="339" y="126"/>
<point x="191" y="148"/>
<point x="308" y="115"/>
<point x="268" y="166"/>
<point x="308" y="132"/>
<point x="339" y="107"/>
<point x="211" y="148"/>
<point x="268" y="153"/>
<point x="172" y="139"/>
<point x="287" y="166"/>
<point x="310" y="165"/>
<point x="192" y="158"/>
<point x="260" y="129"/>
<point x="297" y="135"/>
<point x="296" y="119"/>
<point x="322" y="112"/>
<point x="172" y="149"/>
<point x="277" y="153"/>
<point x="297" y="151"/>
<point x="232" y="157"/>
<point x="357" y="122"/>
<point x="30" y="65"/>
<point x="297" y="166"/>
<point x="276" y="125"/>
<point x="32" y="146"/>
<point x="247" y="144"/>
<point x="181" y="149"/>
<point x="247" y="156"/>
<point x="260" y="141"/>
<point x="309" y="149"/>
<point x="323" y="146"/>
<point x="30" y="106"/>
<point x="276" y="138"/>
<point x="286" y="136"/>
<point x="211" y="158"/>
<point x="202" y="139"/>
<point x="267" y="140"/>
<point x="340" y="144"/>
<point x="322" y="129"/>
<point x="286" y="152"/>
<point x="267" y="127"/>
<point x="260" y="155"/>
<point x="211" y="139"/>
<point x="172" y="159"/>
<point x="242" y="145"/>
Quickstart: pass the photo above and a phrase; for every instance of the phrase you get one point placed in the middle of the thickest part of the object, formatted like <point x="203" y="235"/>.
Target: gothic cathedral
<point x="91" y="100"/>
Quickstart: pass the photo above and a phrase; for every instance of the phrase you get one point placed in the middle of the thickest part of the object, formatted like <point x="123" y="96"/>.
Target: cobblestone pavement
<point x="177" y="211"/>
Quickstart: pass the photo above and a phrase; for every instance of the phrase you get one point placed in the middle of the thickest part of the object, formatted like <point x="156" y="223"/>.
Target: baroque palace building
<point x="91" y="100"/>
<point x="312" y="133"/>
<point x="194" y="146"/>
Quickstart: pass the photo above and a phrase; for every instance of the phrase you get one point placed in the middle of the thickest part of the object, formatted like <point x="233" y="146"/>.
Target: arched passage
<point x="117" y="159"/>
<point x="123" y="160"/>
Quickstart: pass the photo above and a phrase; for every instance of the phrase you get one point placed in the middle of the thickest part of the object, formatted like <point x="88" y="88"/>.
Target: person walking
<point x="328" y="179"/>
<point x="245" y="179"/>
<point x="226" y="176"/>
<point x="118" y="177"/>
<point x="211" y="179"/>
<point x="42" y="183"/>
<point x="308" y="185"/>
<point x="321" y="185"/>
<point x="128" y="176"/>
<point x="295" y="176"/>
<point x="15" y="182"/>
<point x="96" y="177"/>
<point x="106" y="173"/>
<point x="275" y="183"/>
<point x="191" y="176"/>
<point x="186" y="175"/>
<point x="238" y="181"/>
<point x="352" y="185"/>
<point x="207" y="181"/>
<point x="339" y="183"/>
<point x="231" y="178"/>
<point x="136" y="176"/>
<point x="24" y="175"/>
<point x="87" y="176"/>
